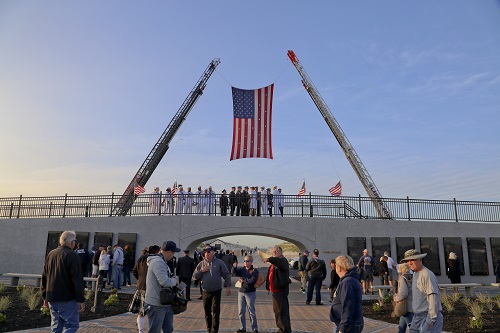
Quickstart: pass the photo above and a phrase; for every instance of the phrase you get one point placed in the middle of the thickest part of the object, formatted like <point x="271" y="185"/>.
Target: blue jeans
<point x="314" y="283"/>
<point x="64" y="315"/>
<point x="419" y="324"/>
<point x="404" y="322"/>
<point x="160" y="318"/>
<point x="126" y="275"/>
<point x="246" y="301"/>
<point x="117" y="276"/>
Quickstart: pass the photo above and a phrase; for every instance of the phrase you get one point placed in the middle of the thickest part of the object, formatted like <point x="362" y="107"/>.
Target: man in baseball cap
<point x="426" y="301"/>
<point x="160" y="316"/>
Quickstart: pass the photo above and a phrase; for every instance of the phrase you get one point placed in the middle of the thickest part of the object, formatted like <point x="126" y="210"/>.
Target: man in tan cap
<point x="425" y="290"/>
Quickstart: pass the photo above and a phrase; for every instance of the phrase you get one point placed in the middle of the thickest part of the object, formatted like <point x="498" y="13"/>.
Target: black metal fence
<point x="293" y="206"/>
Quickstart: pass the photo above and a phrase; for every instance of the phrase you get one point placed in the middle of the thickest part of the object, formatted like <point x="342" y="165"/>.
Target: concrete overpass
<point x="23" y="241"/>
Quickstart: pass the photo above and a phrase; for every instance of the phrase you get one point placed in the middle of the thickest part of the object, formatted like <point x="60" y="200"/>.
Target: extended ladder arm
<point x="353" y="158"/>
<point x="160" y="148"/>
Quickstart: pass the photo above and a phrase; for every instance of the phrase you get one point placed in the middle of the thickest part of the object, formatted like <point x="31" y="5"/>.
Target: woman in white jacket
<point x="104" y="261"/>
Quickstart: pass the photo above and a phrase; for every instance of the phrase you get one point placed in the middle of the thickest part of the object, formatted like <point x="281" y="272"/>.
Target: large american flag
<point x="302" y="190"/>
<point x="336" y="190"/>
<point x="252" y="123"/>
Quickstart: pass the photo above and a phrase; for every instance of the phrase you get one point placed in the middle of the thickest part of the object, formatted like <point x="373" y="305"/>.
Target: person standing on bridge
<point x="277" y="282"/>
<point x="62" y="285"/>
<point x="154" y="201"/>
<point x="209" y="272"/>
<point x="426" y="302"/>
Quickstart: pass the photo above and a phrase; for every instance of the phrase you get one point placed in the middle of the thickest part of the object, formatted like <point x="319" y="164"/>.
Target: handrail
<point x="359" y="207"/>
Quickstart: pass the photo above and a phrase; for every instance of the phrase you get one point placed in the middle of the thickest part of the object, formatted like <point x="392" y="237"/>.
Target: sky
<point x="87" y="89"/>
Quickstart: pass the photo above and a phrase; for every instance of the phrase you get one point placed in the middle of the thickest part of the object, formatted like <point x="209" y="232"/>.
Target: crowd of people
<point x="63" y="285"/>
<point x="240" y="201"/>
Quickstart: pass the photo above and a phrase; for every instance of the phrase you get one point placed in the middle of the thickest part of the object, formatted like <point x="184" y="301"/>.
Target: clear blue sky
<point x="87" y="88"/>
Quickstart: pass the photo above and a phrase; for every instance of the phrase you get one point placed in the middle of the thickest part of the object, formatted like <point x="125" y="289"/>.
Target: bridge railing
<point x="305" y="206"/>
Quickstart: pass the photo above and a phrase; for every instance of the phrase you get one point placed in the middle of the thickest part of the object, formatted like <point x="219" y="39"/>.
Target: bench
<point x="14" y="278"/>
<point x="382" y="290"/>
<point x="469" y="288"/>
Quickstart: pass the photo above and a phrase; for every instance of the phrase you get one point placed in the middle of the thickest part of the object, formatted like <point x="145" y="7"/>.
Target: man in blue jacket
<point x="347" y="306"/>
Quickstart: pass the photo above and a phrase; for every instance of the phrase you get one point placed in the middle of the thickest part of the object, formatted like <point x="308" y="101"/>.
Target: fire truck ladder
<point x="160" y="148"/>
<point x="353" y="158"/>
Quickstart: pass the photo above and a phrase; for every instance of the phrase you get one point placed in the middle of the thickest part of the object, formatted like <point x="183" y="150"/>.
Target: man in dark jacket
<point x="347" y="308"/>
<point x="277" y="282"/>
<point x="63" y="286"/>
<point x="232" y="200"/>
<point x="334" y="280"/>
<point x="303" y="259"/>
<point x="316" y="270"/>
<point x="248" y="275"/>
<point x="185" y="270"/>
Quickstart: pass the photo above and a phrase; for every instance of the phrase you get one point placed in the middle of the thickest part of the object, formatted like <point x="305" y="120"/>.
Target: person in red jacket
<point x="277" y="282"/>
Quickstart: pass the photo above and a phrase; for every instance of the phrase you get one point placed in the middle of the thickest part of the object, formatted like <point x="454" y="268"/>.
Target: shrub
<point x="112" y="300"/>
<point x="2" y="317"/>
<point x="377" y="307"/>
<point x="20" y="288"/>
<point x="32" y="297"/>
<point x="387" y="299"/>
<point x="4" y="303"/>
<point x="113" y="291"/>
<point x="448" y="303"/>
<point x="476" y="323"/>
<point x="2" y="287"/>
<point x="88" y="294"/>
<point x="45" y="311"/>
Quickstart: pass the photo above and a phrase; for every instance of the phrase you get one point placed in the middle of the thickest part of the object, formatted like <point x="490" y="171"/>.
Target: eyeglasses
<point x="247" y="260"/>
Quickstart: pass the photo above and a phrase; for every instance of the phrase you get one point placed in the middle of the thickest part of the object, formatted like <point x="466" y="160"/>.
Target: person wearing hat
<point x="181" y="199"/>
<point x="140" y="271"/>
<point x="263" y="201"/>
<point x="160" y="317"/>
<point x="426" y="302"/>
<point x="238" y="201"/>
<point x="210" y="271"/>
<point x="366" y="264"/>
<point x="154" y="201"/>
<point x="232" y="200"/>
<point x="223" y="203"/>
<point x="270" y="201"/>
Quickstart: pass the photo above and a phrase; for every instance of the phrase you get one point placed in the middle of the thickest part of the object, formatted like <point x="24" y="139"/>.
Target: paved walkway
<point x="304" y="318"/>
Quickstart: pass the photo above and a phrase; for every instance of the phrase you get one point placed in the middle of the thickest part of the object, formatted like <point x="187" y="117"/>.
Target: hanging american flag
<point x="252" y="123"/>
<point x="336" y="190"/>
<point x="302" y="190"/>
<point x="139" y="189"/>
<point x="174" y="187"/>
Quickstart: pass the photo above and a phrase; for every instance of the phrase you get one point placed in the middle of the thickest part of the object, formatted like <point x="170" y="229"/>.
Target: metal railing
<point x="293" y="206"/>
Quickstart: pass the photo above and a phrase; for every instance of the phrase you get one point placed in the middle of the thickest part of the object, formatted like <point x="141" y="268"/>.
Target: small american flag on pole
<point x="174" y="187"/>
<point x="336" y="190"/>
<point x="302" y="190"/>
<point x="139" y="189"/>
<point x="252" y="123"/>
